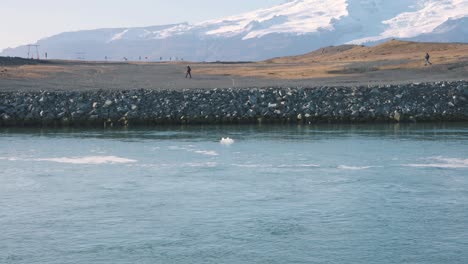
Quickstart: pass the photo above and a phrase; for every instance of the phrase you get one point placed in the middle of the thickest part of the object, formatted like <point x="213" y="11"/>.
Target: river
<point x="278" y="194"/>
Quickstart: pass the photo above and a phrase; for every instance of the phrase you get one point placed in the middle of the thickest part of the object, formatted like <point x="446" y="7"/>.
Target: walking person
<point x="427" y="57"/>
<point x="189" y="72"/>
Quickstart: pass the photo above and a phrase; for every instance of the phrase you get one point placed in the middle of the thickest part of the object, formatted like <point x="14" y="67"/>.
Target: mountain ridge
<point x="294" y="27"/>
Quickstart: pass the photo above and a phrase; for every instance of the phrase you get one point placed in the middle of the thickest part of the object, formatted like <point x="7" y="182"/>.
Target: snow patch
<point x="430" y="15"/>
<point x="300" y="16"/>
<point x="323" y="22"/>
<point x="118" y="36"/>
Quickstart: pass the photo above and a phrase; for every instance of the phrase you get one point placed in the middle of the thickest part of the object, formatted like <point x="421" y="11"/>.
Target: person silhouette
<point x="427" y="57"/>
<point x="189" y="72"/>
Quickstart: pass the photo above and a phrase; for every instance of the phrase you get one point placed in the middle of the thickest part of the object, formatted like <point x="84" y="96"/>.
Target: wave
<point x="443" y="163"/>
<point x="299" y="166"/>
<point x="174" y="165"/>
<point x="250" y="165"/>
<point x="91" y="160"/>
<point x="10" y="158"/>
<point x="283" y="166"/>
<point x="190" y="148"/>
<point x="206" y="152"/>
<point x="344" y="167"/>
<point x="87" y="160"/>
<point x="202" y="165"/>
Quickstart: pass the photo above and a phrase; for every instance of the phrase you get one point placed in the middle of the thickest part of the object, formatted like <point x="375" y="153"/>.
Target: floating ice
<point x="227" y="141"/>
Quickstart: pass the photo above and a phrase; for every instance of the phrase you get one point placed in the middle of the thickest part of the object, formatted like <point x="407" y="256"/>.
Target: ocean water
<point x="278" y="194"/>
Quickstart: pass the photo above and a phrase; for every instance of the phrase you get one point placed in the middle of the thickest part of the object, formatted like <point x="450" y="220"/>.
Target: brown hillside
<point x="353" y="59"/>
<point x="391" y="50"/>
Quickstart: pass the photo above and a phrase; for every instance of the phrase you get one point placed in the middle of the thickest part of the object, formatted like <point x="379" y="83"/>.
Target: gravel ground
<point x="80" y="76"/>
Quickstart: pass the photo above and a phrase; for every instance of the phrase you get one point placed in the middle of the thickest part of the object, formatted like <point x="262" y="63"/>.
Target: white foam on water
<point x="10" y="158"/>
<point x="299" y="166"/>
<point x="206" y="152"/>
<point x="89" y="160"/>
<point x="202" y="164"/>
<point x="190" y="148"/>
<point x="443" y="163"/>
<point x="98" y="151"/>
<point x="176" y="148"/>
<point x="187" y="148"/>
<point x="344" y="167"/>
<point x="282" y="166"/>
<point x="252" y="165"/>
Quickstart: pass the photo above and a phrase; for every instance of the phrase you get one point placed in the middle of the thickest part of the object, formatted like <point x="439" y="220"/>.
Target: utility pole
<point x="29" y="51"/>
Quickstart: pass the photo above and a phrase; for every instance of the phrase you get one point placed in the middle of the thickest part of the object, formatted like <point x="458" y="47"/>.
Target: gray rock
<point x="107" y="103"/>
<point x="5" y="117"/>
<point x="397" y="116"/>
<point x="386" y="103"/>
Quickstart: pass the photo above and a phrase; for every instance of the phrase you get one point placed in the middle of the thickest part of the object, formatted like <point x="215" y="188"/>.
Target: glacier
<point x="291" y="28"/>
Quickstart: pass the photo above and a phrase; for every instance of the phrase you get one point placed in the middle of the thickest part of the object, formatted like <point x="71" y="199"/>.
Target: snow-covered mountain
<point x="291" y="28"/>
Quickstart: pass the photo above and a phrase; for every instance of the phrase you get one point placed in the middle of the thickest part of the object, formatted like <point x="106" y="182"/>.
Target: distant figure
<point x="46" y="55"/>
<point x="427" y="57"/>
<point x="189" y="72"/>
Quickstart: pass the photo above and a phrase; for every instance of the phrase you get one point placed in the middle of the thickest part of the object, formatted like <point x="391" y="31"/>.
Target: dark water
<point x="319" y="194"/>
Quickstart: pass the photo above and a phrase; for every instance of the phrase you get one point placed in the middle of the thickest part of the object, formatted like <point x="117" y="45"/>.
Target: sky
<point x="26" y="21"/>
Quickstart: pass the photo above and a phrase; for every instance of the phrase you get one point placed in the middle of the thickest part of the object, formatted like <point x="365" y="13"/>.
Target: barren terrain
<point x="348" y="65"/>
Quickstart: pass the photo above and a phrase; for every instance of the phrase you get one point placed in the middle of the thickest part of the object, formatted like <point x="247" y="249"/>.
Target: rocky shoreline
<point x="424" y="102"/>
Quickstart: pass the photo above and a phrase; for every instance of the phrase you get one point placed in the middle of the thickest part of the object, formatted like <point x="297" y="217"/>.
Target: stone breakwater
<point x="444" y="101"/>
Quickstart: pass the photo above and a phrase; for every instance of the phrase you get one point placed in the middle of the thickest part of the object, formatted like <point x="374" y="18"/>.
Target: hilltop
<point x="290" y="28"/>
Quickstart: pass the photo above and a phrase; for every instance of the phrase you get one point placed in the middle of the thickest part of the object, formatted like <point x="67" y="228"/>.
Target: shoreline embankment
<point x="416" y="102"/>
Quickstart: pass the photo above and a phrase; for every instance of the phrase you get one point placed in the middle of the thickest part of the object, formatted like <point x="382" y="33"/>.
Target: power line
<point x="29" y="51"/>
